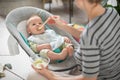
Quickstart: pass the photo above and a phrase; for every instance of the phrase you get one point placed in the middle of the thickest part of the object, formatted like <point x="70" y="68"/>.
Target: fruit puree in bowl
<point x="41" y="61"/>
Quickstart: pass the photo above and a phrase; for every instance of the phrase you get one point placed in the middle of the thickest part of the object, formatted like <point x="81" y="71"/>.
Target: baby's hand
<point x="67" y="40"/>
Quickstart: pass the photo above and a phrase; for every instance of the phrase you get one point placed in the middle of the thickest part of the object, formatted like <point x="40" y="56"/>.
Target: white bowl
<point x="41" y="61"/>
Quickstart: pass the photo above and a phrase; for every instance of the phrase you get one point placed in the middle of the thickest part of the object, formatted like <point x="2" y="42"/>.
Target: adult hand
<point x="44" y="72"/>
<point x="52" y="19"/>
<point x="57" y="21"/>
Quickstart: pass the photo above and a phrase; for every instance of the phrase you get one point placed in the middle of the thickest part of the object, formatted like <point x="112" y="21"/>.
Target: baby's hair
<point x="27" y="23"/>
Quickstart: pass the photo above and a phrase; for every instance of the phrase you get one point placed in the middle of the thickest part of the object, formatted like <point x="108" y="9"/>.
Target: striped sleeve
<point x="90" y="56"/>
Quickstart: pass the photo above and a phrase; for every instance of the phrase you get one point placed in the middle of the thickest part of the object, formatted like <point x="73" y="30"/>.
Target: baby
<point x="45" y="42"/>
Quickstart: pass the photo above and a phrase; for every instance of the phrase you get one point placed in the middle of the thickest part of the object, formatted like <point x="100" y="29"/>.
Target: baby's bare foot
<point x="70" y="50"/>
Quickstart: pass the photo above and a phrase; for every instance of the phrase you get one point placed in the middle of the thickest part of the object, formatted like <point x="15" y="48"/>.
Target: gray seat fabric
<point x="12" y="46"/>
<point x="18" y="15"/>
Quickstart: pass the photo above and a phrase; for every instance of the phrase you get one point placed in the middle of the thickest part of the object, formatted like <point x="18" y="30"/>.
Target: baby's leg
<point x="54" y="56"/>
<point x="70" y="48"/>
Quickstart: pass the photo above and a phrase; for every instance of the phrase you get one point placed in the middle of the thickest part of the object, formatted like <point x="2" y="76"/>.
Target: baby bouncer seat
<point x="16" y="25"/>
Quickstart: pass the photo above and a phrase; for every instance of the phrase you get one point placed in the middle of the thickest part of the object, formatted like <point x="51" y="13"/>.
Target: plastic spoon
<point x="43" y="24"/>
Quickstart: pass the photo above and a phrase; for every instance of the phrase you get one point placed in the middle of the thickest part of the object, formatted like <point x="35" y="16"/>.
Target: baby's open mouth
<point x="40" y="27"/>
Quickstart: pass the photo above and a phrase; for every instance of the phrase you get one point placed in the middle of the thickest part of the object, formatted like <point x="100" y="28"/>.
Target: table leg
<point x="43" y="4"/>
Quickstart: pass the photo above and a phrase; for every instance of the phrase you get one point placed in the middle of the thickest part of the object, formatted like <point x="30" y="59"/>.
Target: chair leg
<point x="70" y="10"/>
<point x="50" y="1"/>
<point x="43" y="4"/>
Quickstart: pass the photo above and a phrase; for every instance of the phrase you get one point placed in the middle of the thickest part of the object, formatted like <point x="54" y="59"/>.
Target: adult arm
<point x="52" y="76"/>
<point x="74" y="78"/>
<point x="74" y="32"/>
<point x="60" y="24"/>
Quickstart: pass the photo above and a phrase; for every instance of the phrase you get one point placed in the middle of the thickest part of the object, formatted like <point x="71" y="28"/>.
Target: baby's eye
<point x="40" y="23"/>
<point x="33" y="24"/>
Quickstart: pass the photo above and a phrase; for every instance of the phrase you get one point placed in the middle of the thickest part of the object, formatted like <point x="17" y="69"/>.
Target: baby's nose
<point x="38" y="24"/>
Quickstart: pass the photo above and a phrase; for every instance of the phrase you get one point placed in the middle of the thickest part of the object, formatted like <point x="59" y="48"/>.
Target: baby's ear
<point x="28" y="30"/>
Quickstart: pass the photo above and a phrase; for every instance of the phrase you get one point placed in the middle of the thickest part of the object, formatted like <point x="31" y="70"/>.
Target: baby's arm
<point x="36" y="47"/>
<point x="43" y="46"/>
<point x="67" y="40"/>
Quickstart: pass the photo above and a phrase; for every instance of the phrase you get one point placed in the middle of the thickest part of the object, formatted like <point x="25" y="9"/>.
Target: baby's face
<point x="35" y="25"/>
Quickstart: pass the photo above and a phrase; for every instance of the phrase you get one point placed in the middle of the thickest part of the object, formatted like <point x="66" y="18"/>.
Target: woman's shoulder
<point x="111" y="11"/>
